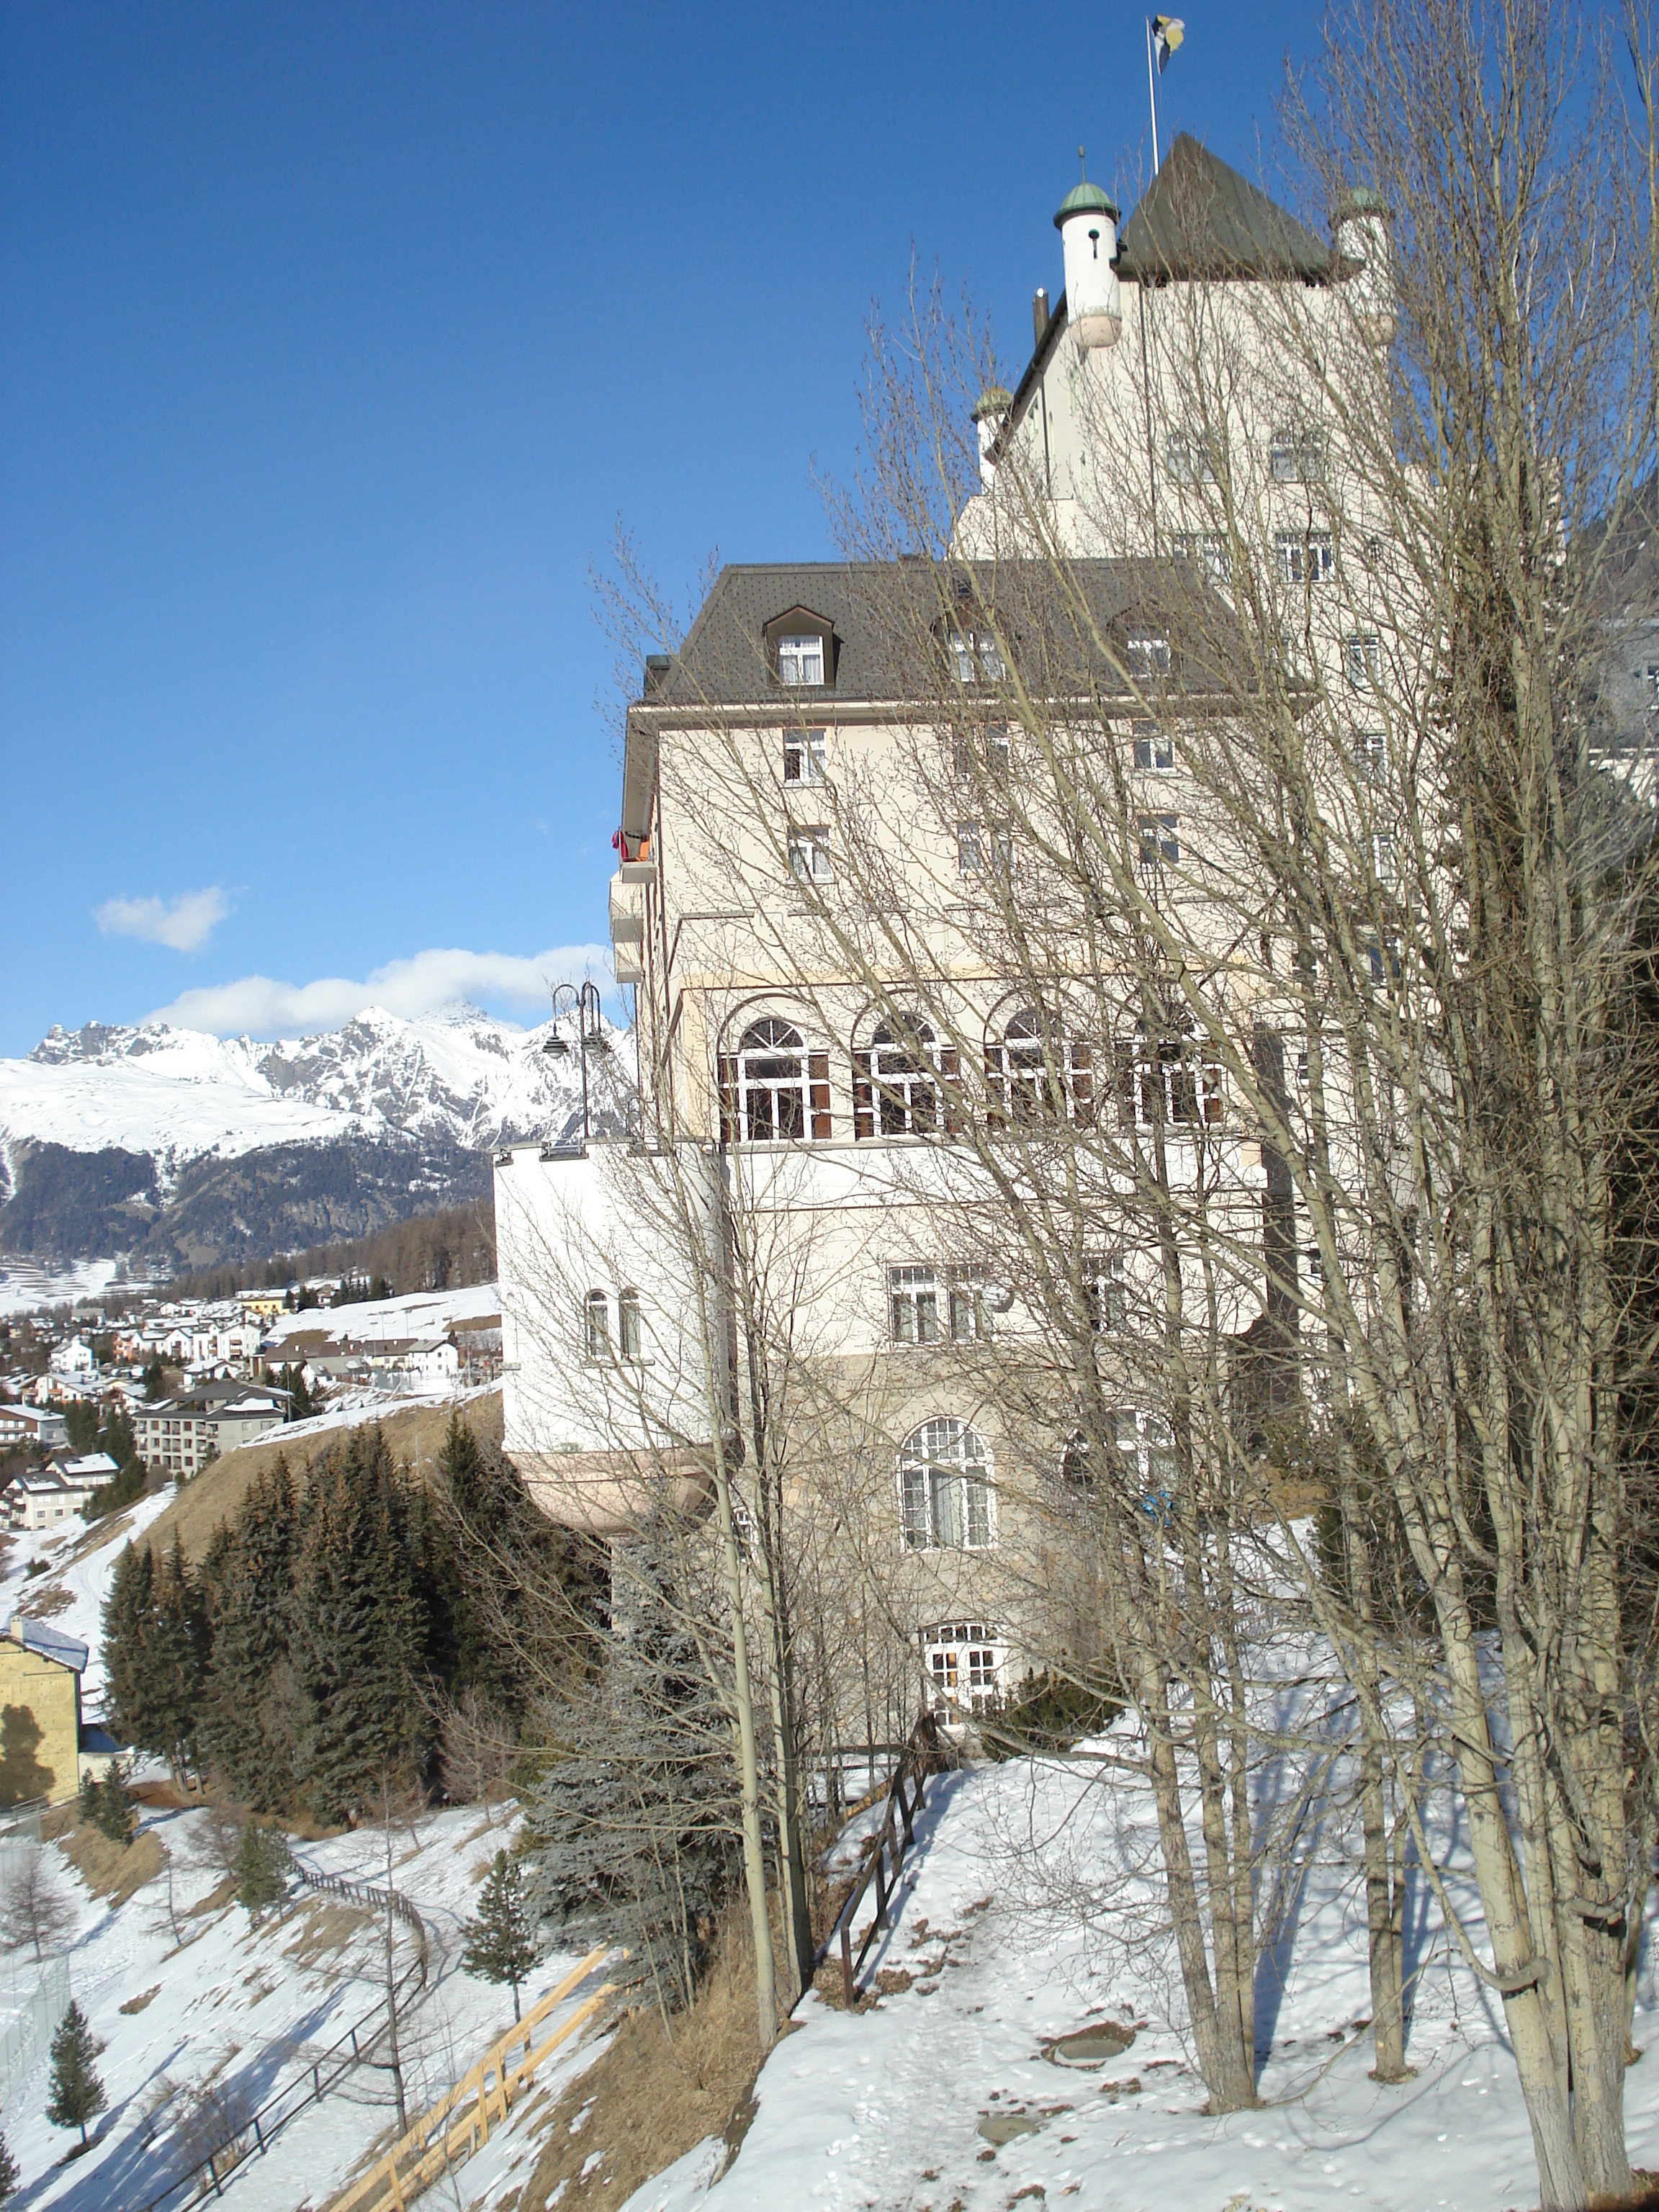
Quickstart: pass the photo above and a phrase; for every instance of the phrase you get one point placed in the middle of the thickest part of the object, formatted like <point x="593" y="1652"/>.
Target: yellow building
<point x="41" y="1739"/>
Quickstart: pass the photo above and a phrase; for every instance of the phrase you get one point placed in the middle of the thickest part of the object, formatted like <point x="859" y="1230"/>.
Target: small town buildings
<point x="432" y="1359"/>
<point x="181" y="1434"/>
<point x="74" y="1358"/>
<point x="42" y="1427"/>
<point x="41" y="1498"/>
<point x="43" y="1743"/>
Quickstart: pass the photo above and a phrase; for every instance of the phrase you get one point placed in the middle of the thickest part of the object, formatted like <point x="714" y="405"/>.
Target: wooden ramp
<point x="461" y="2120"/>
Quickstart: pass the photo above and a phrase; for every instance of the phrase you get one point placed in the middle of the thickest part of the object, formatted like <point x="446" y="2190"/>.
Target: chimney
<point x="656" y="666"/>
<point x="1039" y="314"/>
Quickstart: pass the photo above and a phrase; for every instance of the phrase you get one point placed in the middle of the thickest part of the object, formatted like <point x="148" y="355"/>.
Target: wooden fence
<point x="459" y="2122"/>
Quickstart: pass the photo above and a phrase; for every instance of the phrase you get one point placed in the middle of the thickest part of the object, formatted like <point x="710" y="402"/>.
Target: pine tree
<point x="107" y="1805"/>
<point x="9" y="2173"/>
<point x="248" y="1711"/>
<point x="500" y="1945"/>
<point x="77" y="2094"/>
<point x="261" y="1870"/>
<point x="126" y="1619"/>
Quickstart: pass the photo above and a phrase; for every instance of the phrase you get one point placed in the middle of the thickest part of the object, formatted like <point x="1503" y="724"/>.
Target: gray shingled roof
<point x="1200" y="219"/>
<point x="883" y="612"/>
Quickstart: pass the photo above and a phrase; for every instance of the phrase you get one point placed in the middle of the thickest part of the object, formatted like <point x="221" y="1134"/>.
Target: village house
<point x="40" y="1426"/>
<point x="44" y="1746"/>
<point x="181" y="1434"/>
<point x="41" y="1498"/>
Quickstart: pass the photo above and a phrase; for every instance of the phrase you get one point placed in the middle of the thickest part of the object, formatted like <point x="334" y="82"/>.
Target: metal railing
<point x="926" y="1753"/>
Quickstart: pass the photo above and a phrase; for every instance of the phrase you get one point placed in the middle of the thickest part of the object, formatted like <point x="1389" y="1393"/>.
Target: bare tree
<point x="33" y="1910"/>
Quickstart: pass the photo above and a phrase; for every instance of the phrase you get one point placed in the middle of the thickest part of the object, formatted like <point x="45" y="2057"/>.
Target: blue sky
<point x="334" y="341"/>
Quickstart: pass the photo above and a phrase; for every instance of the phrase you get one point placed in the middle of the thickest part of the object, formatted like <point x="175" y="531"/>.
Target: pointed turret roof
<point x="1200" y="219"/>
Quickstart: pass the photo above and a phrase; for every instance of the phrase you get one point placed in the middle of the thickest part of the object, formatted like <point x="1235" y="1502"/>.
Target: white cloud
<point x="185" y="923"/>
<point x="258" y="1006"/>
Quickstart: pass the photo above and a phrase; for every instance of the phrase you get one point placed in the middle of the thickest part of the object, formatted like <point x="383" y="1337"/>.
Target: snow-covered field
<point x="943" y="2096"/>
<point x="421" y="1313"/>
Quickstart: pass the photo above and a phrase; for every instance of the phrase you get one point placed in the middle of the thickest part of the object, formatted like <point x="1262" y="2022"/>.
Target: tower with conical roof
<point x="1087" y="223"/>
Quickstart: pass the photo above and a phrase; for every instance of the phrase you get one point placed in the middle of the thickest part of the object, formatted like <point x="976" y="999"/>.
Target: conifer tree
<point x="77" y="2094"/>
<point x="126" y="1619"/>
<point x="500" y="1944"/>
<point x="261" y="1870"/>
<point x="248" y="1707"/>
<point x="174" y="1665"/>
<point x="105" y="1804"/>
<point x="9" y="2173"/>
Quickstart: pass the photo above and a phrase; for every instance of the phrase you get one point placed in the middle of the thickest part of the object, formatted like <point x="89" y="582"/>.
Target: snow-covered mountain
<point x="182" y="1147"/>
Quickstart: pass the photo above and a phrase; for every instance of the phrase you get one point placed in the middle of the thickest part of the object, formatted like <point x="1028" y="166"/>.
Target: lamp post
<point x="584" y="1002"/>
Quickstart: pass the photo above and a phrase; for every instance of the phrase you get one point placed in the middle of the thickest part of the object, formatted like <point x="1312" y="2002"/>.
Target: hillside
<point x="183" y="1150"/>
<point x="414" y="1433"/>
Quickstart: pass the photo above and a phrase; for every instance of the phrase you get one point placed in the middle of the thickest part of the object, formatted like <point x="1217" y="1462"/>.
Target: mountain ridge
<point x="175" y="1148"/>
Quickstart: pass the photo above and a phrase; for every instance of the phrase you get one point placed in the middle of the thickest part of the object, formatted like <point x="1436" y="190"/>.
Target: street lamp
<point x="584" y="1002"/>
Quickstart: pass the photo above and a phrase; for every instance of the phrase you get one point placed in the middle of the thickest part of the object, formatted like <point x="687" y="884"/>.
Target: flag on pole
<point x="1168" y="32"/>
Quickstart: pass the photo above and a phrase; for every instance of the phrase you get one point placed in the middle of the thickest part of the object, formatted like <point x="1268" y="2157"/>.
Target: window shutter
<point x="1123" y="1082"/>
<point x="727" y="1070"/>
<point x="949" y="1068"/>
<point x="1083" y="1084"/>
<point x="1215" y="1105"/>
<point x="818" y="1073"/>
<point x="863" y="1107"/>
<point x="996" y="1095"/>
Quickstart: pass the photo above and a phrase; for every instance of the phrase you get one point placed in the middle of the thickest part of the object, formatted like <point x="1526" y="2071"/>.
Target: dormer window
<point x="800" y="647"/>
<point x="1149" y="657"/>
<point x="800" y="660"/>
<point x="974" y="657"/>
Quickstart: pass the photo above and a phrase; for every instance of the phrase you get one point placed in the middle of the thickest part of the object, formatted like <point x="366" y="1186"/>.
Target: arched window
<point x="903" y="1083"/>
<point x="1145" y="1445"/>
<point x="944" y="1488"/>
<point x="596" y="1317"/>
<point x="772" y="1087"/>
<point x="1038" y="1073"/>
<point x="628" y="1325"/>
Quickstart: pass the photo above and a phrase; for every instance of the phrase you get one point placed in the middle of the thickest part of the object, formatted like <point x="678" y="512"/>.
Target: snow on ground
<point x="354" y="1409"/>
<point x="420" y="1313"/>
<point x="253" y="2006"/>
<point x="1014" y="1928"/>
<point x="26" y="1287"/>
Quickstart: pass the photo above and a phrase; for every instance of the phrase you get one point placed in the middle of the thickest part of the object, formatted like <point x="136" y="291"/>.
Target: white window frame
<point x="964" y="1663"/>
<point x="1160" y="840"/>
<point x="1371" y="756"/>
<point x="801" y="661"/>
<point x="945" y="1489"/>
<point x="975" y="657"/>
<point x="1106" y="1290"/>
<point x="906" y="1075"/>
<point x="1180" y="1078"/>
<point x="596" y="1326"/>
<point x="761" y="1072"/>
<point x="1383" y="855"/>
<point x="630" y="1340"/>
<point x="1207" y="548"/>
<point x="1146" y="1440"/>
<point x="1154" y="749"/>
<point x="913" y="1317"/>
<point x="1305" y="557"/>
<point x="1362" y="660"/>
<point x="1297" y="456"/>
<point x="1148" y="656"/>
<point x="805" y="755"/>
<point x="1023" y="1075"/>
<point x="809" y="859"/>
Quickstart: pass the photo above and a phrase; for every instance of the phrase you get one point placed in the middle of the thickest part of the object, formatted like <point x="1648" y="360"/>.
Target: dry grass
<point x="415" y="1435"/>
<point x="108" y="1870"/>
<point x="137" y="2004"/>
<point x="327" y="1926"/>
<point x="652" y="2096"/>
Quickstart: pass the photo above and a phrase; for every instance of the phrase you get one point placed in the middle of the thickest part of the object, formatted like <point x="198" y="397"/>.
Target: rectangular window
<point x="1382" y="853"/>
<point x="1154" y="749"/>
<point x="809" y="852"/>
<point x="969" y="1308"/>
<point x="1652" y="683"/>
<point x="1362" y="658"/>
<point x="597" y="1325"/>
<point x="1105" y="1290"/>
<point x="1187" y="459"/>
<point x="1205" y="549"/>
<point x="970" y="849"/>
<point x="1306" y="556"/>
<point x="974" y="657"/>
<point x="1160" y="838"/>
<point x="1371" y="756"/>
<point x="1148" y="658"/>
<point x="800" y="660"/>
<point x="804" y="755"/>
<point x="913" y="1305"/>
<point x="1297" y="456"/>
<point x="628" y="1324"/>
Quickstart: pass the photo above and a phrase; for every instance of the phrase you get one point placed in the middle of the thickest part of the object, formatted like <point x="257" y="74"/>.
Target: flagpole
<point x="1152" y="92"/>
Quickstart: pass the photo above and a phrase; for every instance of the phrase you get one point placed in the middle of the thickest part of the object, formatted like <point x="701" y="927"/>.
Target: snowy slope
<point x="943" y="2097"/>
<point x="175" y="1094"/>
